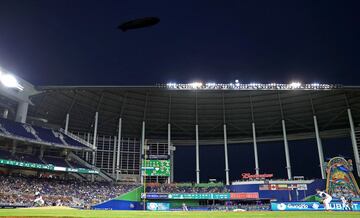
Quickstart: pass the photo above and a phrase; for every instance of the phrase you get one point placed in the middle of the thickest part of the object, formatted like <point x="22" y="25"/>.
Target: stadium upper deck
<point x="210" y="109"/>
<point x="196" y="113"/>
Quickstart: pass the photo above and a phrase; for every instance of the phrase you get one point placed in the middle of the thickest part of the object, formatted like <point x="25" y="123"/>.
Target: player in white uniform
<point x="326" y="198"/>
<point x="345" y="203"/>
<point x="184" y="207"/>
<point x="38" y="202"/>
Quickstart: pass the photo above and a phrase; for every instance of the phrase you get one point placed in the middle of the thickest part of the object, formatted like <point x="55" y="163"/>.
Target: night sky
<point x="78" y="43"/>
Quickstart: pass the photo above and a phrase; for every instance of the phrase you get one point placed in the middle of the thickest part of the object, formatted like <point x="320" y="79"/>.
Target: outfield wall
<point x="127" y="201"/>
<point x="312" y="206"/>
<point x="280" y="192"/>
<point x="133" y="199"/>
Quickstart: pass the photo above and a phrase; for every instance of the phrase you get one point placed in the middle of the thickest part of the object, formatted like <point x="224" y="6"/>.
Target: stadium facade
<point x="122" y="123"/>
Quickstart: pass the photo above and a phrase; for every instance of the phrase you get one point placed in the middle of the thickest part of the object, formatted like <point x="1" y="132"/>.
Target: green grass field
<point x="144" y="214"/>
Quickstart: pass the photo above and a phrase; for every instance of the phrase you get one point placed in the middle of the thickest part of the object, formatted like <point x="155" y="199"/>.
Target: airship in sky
<point x="139" y="23"/>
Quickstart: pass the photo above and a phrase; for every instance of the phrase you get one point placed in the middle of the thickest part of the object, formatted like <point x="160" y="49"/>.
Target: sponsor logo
<point x="281" y="206"/>
<point x="152" y="206"/>
<point x="315" y="206"/>
<point x="298" y="206"/>
<point x="310" y="206"/>
<point x="256" y="176"/>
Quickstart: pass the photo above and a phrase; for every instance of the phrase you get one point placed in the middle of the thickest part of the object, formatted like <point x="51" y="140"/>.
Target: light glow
<point x="295" y="85"/>
<point x="196" y="85"/>
<point x="9" y="80"/>
<point x="250" y="86"/>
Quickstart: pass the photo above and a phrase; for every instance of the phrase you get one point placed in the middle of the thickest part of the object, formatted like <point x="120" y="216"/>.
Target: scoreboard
<point x="156" y="167"/>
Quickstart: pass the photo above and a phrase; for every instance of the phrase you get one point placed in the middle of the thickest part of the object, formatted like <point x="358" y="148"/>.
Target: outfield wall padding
<point x="128" y="201"/>
<point x="119" y="205"/>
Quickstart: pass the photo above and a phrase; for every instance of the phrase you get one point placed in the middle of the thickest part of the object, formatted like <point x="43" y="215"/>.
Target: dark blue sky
<point x="303" y="154"/>
<point x="77" y="42"/>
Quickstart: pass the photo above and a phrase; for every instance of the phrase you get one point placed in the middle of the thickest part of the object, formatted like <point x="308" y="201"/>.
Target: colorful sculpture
<point x="340" y="179"/>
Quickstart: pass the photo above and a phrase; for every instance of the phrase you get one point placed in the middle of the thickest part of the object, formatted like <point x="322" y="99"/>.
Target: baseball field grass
<point x="74" y="213"/>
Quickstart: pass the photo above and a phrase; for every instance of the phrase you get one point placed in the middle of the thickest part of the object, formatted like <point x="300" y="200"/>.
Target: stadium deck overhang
<point x="210" y="109"/>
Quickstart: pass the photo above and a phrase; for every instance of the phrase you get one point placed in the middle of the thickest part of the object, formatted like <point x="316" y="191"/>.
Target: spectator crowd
<point x="20" y="190"/>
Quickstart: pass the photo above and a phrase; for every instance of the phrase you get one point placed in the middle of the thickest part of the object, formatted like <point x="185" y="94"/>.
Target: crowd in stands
<point x="20" y="190"/>
<point x="176" y="188"/>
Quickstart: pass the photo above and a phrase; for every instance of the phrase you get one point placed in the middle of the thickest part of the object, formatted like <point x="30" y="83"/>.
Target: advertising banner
<point x="46" y="167"/>
<point x="155" y="196"/>
<point x="256" y="176"/>
<point x="311" y="206"/>
<point x="210" y="196"/>
<point x="27" y="164"/>
<point x="82" y="170"/>
<point x="155" y="206"/>
<point x="244" y="195"/>
<point x="203" y="196"/>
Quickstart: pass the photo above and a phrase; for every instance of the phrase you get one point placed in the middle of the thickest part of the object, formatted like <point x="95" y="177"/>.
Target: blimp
<point x="139" y="23"/>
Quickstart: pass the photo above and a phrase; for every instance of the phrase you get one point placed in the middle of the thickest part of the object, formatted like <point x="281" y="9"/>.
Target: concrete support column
<point x="5" y="113"/>
<point x="320" y="149"/>
<point x="172" y="165"/>
<point x="21" y="112"/>
<point x="255" y="149"/>
<point x="94" y="142"/>
<point x="287" y="155"/>
<point x="169" y="150"/>
<point x="118" y="149"/>
<point x="197" y="154"/>
<point x="353" y="141"/>
<point x="67" y="123"/>
<point x="42" y="150"/>
<point x="143" y="152"/>
<point x="226" y="157"/>
<point x="13" y="149"/>
<point x="114" y="157"/>
<point x="87" y="153"/>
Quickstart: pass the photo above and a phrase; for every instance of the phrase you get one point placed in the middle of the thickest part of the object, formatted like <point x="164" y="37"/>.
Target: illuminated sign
<point x="46" y="167"/>
<point x="256" y="176"/>
<point x="157" y="206"/>
<point x="311" y="206"/>
<point x="244" y="195"/>
<point x="202" y="196"/>
<point x="156" y="167"/>
<point x="249" y="86"/>
<point x="155" y="196"/>
<point x="216" y="196"/>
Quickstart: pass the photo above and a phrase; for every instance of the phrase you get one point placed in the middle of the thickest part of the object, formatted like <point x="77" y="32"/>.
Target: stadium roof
<point x="209" y="108"/>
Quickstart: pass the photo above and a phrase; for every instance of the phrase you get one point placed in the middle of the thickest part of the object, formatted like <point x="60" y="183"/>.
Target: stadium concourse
<point x="113" y="147"/>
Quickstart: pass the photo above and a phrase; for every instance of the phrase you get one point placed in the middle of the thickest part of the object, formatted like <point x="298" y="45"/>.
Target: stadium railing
<point x="76" y="138"/>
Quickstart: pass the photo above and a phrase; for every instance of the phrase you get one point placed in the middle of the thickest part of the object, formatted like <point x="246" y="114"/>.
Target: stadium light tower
<point x="9" y="80"/>
<point x="196" y="85"/>
<point x="295" y="85"/>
